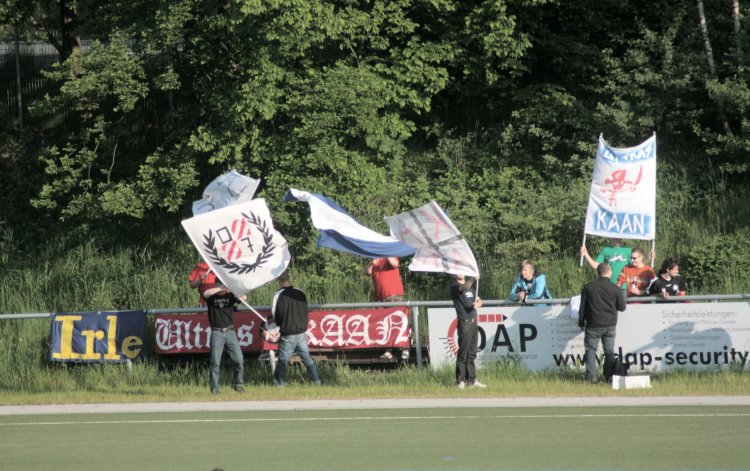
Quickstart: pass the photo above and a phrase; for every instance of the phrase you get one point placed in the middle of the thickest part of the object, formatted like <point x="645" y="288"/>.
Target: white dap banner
<point x="651" y="337"/>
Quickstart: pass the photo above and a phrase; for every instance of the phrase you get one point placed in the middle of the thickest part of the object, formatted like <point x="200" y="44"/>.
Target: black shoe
<point x="239" y="388"/>
<point x="215" y="392"/>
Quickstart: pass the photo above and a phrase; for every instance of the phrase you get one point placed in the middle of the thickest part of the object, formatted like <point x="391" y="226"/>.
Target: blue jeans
<point x="591" y="343"/>
<point x="219" y="340"/>
<point x="468" y="337"/>
<point x="288" y="346"/>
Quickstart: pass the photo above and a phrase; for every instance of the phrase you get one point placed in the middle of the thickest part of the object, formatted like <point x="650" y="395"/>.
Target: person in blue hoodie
<point x="529" y="284"/>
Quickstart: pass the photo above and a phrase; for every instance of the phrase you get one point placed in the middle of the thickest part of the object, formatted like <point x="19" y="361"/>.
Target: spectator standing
<point x="597" y="315"/>
<point x="289" y="308"/>
<point x="529" y="284"/>
<point x="636" y="276"/>
<point x="221" y="302"/>
<point x="386" y="280"/>
<point x="466" y="303"/>
<point x="669" y="282"/>
<point x="616" y="255"/>
<point x="198" y="276"/>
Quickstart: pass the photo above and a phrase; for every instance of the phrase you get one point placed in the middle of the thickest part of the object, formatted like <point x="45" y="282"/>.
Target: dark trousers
<point x="468" y="335"/>
<point x="591" y="343"/>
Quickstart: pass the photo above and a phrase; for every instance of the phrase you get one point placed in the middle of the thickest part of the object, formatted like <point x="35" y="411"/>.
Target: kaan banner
<point x="340" y="330"/>
<point x="651" y="337"/>
<point x="97" y="337"/>
<point x="622" y="201"/>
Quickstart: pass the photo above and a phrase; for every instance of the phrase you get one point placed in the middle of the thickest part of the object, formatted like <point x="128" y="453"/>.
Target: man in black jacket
<point x="600" y="302"/>
<point x="289" y="310"/>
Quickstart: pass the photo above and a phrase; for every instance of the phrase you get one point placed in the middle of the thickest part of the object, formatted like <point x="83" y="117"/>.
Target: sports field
<point x="450" y="438"/>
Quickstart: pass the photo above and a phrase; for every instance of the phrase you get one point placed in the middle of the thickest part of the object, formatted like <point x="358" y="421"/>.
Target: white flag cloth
<point x="440" y="247"/>
<point x="226" y="190"/>
<point x="240" y="244"/>
<point x="622" y="201"/>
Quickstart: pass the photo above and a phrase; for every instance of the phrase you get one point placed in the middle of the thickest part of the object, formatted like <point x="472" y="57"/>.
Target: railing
<point x="415" y="305"/>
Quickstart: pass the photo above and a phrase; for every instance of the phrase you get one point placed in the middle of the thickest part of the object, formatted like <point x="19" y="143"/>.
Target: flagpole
<point x="653" y="251"/>
<point x="271" y="353"/>
<point x="251" y="308"/>
<point x="580" y="263"/>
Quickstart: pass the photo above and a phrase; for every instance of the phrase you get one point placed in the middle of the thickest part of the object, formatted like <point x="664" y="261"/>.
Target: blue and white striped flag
<point x="339" y="231"/>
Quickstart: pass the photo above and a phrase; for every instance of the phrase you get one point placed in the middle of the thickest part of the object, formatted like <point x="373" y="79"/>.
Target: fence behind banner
<point x="521" y="323"/>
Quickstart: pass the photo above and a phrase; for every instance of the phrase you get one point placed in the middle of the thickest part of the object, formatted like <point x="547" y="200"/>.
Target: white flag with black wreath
<point x="240" y="244"/>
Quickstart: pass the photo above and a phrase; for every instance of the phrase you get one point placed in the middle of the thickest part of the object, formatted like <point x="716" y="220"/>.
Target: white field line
<point x="376" y="404"/>
<point x="366" y="418"/>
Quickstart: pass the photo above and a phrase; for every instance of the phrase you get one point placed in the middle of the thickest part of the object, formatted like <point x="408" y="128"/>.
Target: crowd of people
<point x="622" y="272"/>
<point x="602" y="299"/>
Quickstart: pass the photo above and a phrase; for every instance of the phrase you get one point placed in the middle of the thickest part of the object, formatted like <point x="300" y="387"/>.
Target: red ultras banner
<point x="338" y="330"/>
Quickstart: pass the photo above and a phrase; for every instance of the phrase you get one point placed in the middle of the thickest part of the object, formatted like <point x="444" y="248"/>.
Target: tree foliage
<point x="490" y="107"/>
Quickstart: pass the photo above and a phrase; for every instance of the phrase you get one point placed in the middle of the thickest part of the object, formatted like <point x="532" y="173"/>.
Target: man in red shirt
<point x="636" y="276"/>
<point x="386" y="279"/>
<point x="201" y="275"/>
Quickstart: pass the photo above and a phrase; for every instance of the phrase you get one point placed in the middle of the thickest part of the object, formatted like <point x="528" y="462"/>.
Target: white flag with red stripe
<point x="440" y="247"/>
<point x="240" y="244"/>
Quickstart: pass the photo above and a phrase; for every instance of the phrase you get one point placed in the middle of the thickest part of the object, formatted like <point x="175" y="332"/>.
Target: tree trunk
<point x="737" y="37"/>
<point x="711" y="63"/>
<point x="68" y="29"/>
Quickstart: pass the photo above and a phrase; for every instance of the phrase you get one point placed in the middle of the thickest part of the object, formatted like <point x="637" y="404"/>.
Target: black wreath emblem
<point x="209" y="242"/>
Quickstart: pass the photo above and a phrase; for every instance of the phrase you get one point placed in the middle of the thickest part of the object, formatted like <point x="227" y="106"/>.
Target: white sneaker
<point x="461" y="385"/>
<point x="386" y="356"/>
<point x="477" y="384"/>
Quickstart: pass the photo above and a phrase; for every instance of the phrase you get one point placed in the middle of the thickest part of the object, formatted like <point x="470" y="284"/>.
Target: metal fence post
<point x="417" y="337"/>
<point x="18" y="81"/>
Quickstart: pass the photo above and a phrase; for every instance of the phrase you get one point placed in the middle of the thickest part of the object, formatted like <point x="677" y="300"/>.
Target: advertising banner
<point x="651" y="337"/>
<point x="333" y="329"/>
<point x="97" y="337"/>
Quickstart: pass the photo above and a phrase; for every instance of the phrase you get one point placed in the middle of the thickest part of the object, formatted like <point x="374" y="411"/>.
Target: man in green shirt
<point x="616" y="255"/>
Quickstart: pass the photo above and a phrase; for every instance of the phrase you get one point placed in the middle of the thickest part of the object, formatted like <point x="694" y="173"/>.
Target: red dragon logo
<point x="618" y="183"/>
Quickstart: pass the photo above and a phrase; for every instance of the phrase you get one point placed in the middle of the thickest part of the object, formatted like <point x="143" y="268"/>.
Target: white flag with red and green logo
<point x="622" y="201"/>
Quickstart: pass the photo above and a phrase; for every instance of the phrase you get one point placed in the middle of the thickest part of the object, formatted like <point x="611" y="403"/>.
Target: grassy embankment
<point x="67" y="276"/>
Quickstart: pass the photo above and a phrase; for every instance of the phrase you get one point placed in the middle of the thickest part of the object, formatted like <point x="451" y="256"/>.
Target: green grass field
<point x="654" y="437"/>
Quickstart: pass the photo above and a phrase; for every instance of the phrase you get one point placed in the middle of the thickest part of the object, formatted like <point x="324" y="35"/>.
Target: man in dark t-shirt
<point x="220" y="302"/>
<point x="466" y="303"/>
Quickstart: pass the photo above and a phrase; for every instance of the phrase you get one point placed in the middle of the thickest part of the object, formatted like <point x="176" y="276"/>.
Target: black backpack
<point x="617" y="367"/>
